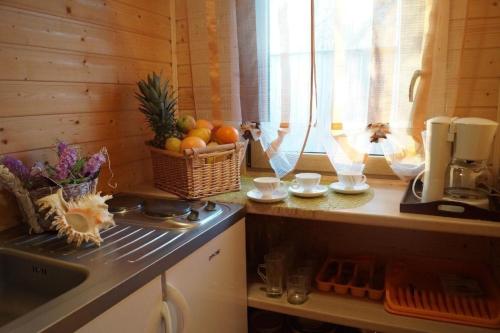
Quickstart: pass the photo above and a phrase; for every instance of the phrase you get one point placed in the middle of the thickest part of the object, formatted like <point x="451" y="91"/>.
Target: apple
<point x="186" y="123"/>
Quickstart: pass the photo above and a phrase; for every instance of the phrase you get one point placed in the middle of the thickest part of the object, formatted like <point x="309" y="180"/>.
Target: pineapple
<point x="158" y="105"/>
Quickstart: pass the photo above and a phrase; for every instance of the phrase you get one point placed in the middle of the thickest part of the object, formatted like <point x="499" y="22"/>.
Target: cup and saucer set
<point x="305" y="185"/>
<point x="350" y="182"/>
<point x="268" y="190"/>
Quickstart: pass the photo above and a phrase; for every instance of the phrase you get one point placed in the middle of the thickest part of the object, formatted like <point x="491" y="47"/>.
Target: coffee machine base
<point x="448" y="208"/>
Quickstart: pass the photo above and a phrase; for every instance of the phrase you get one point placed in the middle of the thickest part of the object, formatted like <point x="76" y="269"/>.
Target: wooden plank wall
<point x="479" y="77"/>
<point x="68" y="71"/>
<point x="186" y="95"/>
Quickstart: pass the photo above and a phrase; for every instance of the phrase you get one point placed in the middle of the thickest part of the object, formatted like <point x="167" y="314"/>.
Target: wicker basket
<point x="70" y="191"/>
<point x="199" y="173"/>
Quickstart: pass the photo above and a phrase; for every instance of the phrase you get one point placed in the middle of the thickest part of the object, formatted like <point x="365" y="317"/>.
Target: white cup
<point x="350" y="179"/>
<point x="267" y="185"/>
<point x="306" y="181"/>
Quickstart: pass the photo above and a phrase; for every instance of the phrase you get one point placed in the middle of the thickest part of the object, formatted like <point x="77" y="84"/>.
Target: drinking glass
<point x="297" y="288"/>
<point x="307" y="272"/>
<point x="272" y="273"/>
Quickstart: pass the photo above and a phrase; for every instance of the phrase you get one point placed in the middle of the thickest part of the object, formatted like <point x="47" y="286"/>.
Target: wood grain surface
<point x="68" y="71"/>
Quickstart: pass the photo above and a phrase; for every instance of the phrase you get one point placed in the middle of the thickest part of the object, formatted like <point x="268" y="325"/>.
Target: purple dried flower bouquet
<point x="71" y="168"/>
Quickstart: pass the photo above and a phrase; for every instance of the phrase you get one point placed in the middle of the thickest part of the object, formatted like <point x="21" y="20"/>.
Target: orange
<point x="202" y="133"/>
<point x="217" y="124"/>
<point x="202" y="123"/>
<point x="227" y="134"/>
<point x="192" y="142"/>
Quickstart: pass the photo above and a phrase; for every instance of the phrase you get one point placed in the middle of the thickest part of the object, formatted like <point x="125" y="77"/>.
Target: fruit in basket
<point x="186" y="123"/>
<point x="212" y="144"/>
<point x="227" y="134"/>
<point x="173" y="144"/>
<point x="192" y="142"/>
<point x="217" y="124"/>
<point x="202" y="123"/>
<point x="158" y="104"/>
<point x="202" y="133"/>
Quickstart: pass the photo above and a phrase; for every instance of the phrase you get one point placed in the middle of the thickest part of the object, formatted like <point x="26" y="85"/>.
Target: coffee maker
<point x="457" y="151"/>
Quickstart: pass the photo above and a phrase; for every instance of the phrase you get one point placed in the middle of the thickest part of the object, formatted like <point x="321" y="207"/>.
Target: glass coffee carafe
<point x="468" y="180"/>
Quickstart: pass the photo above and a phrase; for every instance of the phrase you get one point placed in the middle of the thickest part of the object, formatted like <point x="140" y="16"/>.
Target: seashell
<point x="79" y="220"/>
<point x="55" y="204"/>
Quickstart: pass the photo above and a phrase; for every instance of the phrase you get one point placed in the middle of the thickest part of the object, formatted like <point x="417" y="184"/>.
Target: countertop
<point x="378" y="208"/>
<point x="128" y="259"/>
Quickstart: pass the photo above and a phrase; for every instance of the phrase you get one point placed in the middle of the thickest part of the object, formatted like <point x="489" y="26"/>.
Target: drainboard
<point x="122" y="243"/>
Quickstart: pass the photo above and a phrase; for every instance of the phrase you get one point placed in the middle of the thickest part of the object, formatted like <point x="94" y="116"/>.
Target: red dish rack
<point x="444" y="290"/>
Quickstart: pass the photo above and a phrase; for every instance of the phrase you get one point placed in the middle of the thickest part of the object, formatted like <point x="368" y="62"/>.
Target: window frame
<point x="375" y="165"/>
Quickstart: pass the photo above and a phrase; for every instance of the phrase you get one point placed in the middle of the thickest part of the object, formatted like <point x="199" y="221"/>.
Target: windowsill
<point x="381" y="211"/>
<point x="317" y="162"/>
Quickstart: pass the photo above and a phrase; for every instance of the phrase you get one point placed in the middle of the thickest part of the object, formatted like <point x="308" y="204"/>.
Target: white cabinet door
<point x="207" y="289"/>
<point x="139" y="312"/>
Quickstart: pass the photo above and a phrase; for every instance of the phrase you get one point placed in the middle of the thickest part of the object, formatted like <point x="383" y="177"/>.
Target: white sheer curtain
<point x="289" y="80"/>
<point x="367" y="53"/>
<point x="252" y="59"/>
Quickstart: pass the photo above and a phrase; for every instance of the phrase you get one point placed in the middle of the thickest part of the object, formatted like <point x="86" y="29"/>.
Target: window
<point x="366" y="53"/>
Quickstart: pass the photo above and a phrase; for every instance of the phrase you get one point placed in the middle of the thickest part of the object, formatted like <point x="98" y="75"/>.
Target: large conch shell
<point x="81" y="219"/>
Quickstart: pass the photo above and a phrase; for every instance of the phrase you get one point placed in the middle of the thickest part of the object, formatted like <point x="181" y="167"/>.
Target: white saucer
<point x="316" y="192"/>
<point x="277" y="196"/>
<point x="356" y="189"/>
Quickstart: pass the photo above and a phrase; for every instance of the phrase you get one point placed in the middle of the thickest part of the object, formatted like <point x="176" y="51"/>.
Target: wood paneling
<point x="160" y="7"/>
<point x="182" y="32"/>
<point x="39" y="64"/>
<point x="183" y="54"/>
<point x="25" y="98"/>
<point x="122" y="152"/>
<point x="475" y="70"/>
<point x="484" y="8"/>
<point x="478" y="63"/>
<point x="184" y="68"/>
<point x="185" y="78"/>
<point x="181" y="9"/>
<point x="186" y="99"/>
<point x="32" y="132"/>
<point x="478" y="93"/>
<point x="110" y="13"/>
<point x="68" y="70"/>
<point x="483" y="112"/>
<point x="28" y="28"/>
<point x="139" y="171"/>
<point x="481" y="33"/>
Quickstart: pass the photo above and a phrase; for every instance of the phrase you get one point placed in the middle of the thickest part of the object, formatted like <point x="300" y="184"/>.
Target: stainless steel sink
<point x="28" y="281"/>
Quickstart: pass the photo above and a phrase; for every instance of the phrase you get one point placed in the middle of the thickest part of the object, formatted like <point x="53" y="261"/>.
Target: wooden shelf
<point x="350" y="311"/>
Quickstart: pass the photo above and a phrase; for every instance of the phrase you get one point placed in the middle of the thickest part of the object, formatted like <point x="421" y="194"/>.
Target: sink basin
<point x="28" y="281"/>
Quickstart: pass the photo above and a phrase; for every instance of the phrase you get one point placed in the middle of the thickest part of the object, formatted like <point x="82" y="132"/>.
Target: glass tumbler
<point x="272" y="272"/>
<point x="296" y="288"/>
<point x="307" y="272"/>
